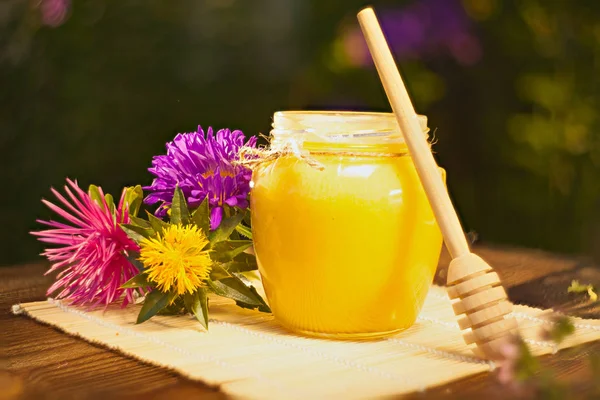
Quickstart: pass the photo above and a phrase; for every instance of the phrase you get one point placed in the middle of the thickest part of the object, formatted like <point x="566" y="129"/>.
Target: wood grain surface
<point x="39" y="362"/>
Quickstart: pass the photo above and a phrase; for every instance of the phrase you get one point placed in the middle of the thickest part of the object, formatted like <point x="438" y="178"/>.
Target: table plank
<point x="39" y="362"/>
<point x="539" y="279"/>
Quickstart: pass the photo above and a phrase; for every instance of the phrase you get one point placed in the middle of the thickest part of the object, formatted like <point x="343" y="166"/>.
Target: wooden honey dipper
<point x="482" y="304"/>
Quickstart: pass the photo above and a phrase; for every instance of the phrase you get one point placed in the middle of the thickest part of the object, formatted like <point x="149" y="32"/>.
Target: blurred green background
<point x="92" y="89"/>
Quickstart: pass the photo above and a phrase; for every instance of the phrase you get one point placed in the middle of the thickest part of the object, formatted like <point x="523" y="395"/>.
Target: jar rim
<point x="339" y="122"/>
<point x="351" y="128"/>
<point x="335" y="112"/>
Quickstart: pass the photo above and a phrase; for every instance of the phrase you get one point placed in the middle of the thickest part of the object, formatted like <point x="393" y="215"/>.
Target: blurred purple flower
<point x="424" y="28"/>
<point x="54" y="12"/>
<point x="203" y="167"/>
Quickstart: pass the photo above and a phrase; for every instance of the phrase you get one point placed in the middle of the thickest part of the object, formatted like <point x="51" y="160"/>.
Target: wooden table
<point x="39" y="362"/>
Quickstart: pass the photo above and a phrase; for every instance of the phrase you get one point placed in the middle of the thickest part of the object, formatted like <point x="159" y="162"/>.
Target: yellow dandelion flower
<point x="176" y="259"/>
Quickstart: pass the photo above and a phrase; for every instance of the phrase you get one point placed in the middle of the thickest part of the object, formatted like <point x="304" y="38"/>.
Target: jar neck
<point x="339" y="131"/>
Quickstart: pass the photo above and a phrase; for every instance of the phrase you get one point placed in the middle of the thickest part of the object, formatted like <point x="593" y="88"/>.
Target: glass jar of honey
<point x="346" y="242"/>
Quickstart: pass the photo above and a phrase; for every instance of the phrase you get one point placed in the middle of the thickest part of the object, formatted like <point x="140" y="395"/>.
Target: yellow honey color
<point x="348" y="250"/>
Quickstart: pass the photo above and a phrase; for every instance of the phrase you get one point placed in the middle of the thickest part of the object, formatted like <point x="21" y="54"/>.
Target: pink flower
<point x="92" y="248"/>
<point x="510" y="354"/>
<point x="54" y="12"/>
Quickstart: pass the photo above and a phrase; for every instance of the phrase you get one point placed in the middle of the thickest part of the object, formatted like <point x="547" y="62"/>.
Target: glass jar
<point x="346" y="242"/>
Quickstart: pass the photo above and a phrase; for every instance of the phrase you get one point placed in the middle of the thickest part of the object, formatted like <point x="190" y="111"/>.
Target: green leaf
<point x="110" y="202"/>
<point x="134" y="259"/>
<point x="248" y="219"/>
<point x="227" y="250"/>
<point x="134" y="195"/>
<point x="527" y="365"/>
<point x="176" y="307"/>
<point x="234" y="288"/>
<point x="562" y="328"/>
<point x="179" y="210"/>
<point x="157" y="224"/>
<point x="201" y="217"/>
<point x="242" y="263"/>
<point x="592" y="294"/>
<point x="197" y="304"/>
<point x="138" y="281"/>
<point x="263" y="308"/>
<point x="154" y="302"/>
<point x="217" y="273"/>
<point x="244" y="231"/>
<point x="137" y="233"/>
<point x="226" y="228"/>
<point x="577" y="287"/>
<point x="94" y="193"/>
<point x="140" y="222"/>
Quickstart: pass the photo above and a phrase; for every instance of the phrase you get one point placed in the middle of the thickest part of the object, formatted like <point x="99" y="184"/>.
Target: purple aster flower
<point x="203" y="167"/>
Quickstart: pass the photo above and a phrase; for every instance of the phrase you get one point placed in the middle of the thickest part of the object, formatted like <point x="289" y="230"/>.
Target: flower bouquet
<point x="198" y="240"/>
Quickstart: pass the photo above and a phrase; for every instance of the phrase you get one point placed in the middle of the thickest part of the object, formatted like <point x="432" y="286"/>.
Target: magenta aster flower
<point x="92" y="252"/>
<point x="203" y="167"/>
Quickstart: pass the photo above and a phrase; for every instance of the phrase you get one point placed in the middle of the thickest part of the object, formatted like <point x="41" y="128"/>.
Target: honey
<point x="347" y="244"/>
